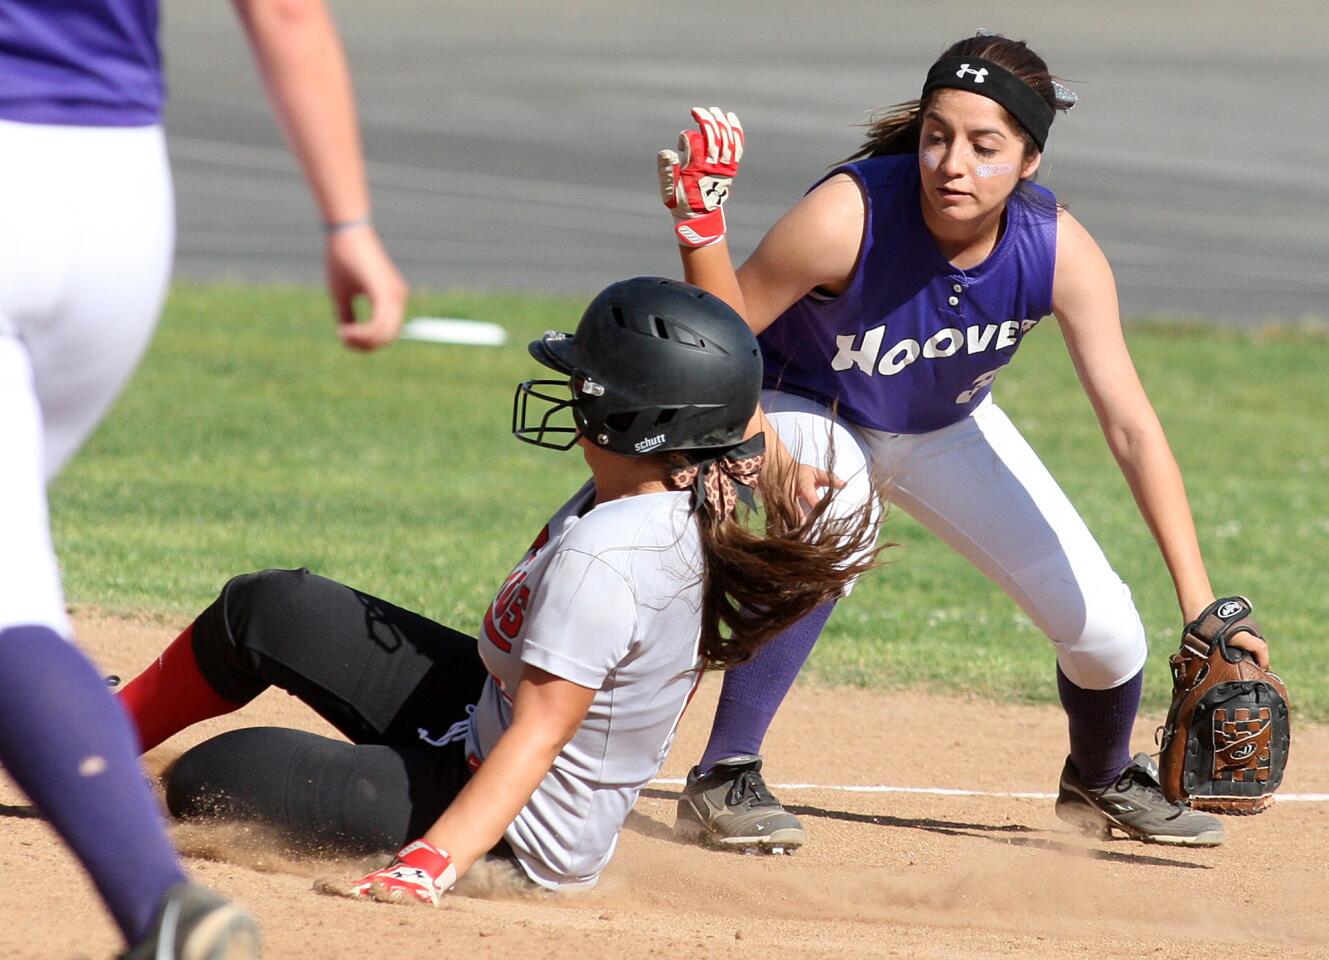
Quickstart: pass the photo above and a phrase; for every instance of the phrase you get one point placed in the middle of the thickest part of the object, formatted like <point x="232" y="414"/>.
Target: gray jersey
<point x="610" y="601"/>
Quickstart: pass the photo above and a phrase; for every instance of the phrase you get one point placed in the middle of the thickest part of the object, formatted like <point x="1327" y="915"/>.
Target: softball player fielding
<point x="887" y="301"/>
<point x="85" y="250"/>
<point x="533" y="742"/>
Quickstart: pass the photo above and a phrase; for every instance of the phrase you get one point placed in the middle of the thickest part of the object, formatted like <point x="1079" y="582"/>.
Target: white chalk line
<point x="956" y="792"/>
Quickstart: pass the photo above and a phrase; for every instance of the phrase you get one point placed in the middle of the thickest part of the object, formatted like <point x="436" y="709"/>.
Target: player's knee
<point x="253" y="612"/>
<point x="263" y="588"/>
<point x="1110" y="647"/>
<point x="255" y="600"/>
<point x="310" y="790"/>
<point x="238" y="775"/>
<point x="191" y="790"/>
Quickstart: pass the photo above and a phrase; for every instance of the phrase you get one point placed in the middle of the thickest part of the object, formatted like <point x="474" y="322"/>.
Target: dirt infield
<point x="885" y="874"/>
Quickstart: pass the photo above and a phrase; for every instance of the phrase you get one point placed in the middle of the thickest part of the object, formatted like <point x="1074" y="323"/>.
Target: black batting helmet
<point x="655" y="365"/>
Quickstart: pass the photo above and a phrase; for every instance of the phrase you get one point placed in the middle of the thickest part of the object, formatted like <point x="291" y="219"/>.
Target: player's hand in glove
<point x="419" y="873"/>
<point x="1226" y="738"/>
<point x="695" y="179"/>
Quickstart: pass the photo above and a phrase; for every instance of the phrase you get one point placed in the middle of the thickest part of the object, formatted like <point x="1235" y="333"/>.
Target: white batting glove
<point x="695" y="179"/>
<point x="420" y="872"/>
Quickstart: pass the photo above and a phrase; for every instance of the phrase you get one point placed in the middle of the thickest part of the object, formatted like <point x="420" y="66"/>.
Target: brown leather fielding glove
<point x="1225" y="742"/>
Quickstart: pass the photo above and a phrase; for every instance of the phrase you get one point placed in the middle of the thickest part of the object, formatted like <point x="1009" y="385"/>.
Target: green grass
<point x="249" y="438"/>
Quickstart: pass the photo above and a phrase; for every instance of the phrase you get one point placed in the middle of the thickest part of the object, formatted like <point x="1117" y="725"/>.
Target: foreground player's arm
<point x="546" y="713"/>
<point x="577" y="627"/>
<point x="1084" y="299"/>
<point x="304" y="71"/>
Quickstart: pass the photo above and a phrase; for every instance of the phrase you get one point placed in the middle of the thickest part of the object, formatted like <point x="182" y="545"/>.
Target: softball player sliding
<point x="887" y="301"/>
<point x="533" y="741"/>
<point x="85" y="251"/>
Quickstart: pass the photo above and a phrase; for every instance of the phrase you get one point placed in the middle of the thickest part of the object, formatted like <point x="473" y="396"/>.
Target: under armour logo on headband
<point x="990" y="79"/>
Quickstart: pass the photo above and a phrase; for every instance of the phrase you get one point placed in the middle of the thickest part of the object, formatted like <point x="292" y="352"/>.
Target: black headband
<point x="995" y="82"/>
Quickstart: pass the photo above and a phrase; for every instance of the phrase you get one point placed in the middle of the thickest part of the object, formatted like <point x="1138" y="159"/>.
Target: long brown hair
<point x="764" y="570"/>
<point x="898" y="129"/>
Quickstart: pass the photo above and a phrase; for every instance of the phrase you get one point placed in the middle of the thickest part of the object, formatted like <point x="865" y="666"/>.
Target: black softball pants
<point x="393" y="682"/>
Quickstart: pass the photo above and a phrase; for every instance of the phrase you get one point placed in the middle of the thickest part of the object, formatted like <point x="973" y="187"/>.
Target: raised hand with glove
<point x="696" y="178"/>
<point x="695" y="181"/>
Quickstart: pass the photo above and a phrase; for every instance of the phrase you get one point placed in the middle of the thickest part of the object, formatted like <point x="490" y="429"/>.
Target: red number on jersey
<point x="504" y="618"/>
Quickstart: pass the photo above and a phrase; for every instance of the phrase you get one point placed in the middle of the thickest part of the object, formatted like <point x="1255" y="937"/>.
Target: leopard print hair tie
<point x="721" y="481"/>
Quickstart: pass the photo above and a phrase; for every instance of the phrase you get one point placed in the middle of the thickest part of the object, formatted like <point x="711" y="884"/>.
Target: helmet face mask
<point x="549" y="394"/>
<point x="655" y="365"/>
<point x="542" y="433"/>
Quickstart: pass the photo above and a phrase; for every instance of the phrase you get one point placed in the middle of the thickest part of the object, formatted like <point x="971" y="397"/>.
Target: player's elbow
<point x="542" y="741"/>
<point x="1136" y="445"/>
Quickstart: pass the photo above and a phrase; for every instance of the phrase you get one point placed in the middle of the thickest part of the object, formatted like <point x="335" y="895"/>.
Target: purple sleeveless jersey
<point x="914" y="343"/>
<point x="80" y="62"/>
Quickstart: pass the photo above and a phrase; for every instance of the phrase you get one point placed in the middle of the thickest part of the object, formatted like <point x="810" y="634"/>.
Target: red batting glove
<point x="695" y="179"/>
<point x="420" y="872"/>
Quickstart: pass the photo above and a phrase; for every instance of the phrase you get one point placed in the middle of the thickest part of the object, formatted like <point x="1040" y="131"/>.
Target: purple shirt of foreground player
<point x="80" y="62"/>
<point x="914" y="343"/>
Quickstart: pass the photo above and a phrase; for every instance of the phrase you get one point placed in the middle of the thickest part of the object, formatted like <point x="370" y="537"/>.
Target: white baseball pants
<point x="980" y="487"/>
<point x="86" y="238"/>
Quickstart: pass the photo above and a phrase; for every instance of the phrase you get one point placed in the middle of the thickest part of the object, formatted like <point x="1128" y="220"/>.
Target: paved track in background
<point x="512" y="144"/>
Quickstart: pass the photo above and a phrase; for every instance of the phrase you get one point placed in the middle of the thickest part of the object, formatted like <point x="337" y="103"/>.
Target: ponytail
<point x="757" y="582"/>
<point x="893" y="132"/>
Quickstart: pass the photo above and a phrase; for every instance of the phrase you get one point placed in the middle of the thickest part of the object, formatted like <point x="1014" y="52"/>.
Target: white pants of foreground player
<point x="980" y="487"/>
<point x="86" y="237"/>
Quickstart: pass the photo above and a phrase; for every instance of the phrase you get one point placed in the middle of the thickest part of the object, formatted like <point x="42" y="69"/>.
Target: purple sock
<point x="68" y="745"/>
<point x="1100" y="722"/>
<point x="753" y="691"/>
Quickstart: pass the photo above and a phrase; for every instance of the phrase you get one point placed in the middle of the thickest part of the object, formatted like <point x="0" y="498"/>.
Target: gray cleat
<point x="731" y="807"/>
<point x="1134" y="804"/>
<point x="196" y="924"/>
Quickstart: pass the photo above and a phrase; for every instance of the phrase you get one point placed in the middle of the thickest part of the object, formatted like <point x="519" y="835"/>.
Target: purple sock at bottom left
<point x="69" y="746"/>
